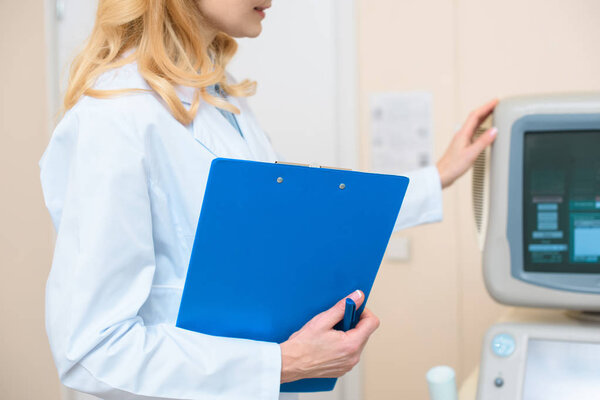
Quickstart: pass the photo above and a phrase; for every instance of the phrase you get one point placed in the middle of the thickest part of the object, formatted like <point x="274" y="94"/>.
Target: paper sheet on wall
<point x="401" y="131"/>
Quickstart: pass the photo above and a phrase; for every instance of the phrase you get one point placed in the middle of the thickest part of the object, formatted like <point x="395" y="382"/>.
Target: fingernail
<point x="493" y="131"/>
<point x="356" y="295"/>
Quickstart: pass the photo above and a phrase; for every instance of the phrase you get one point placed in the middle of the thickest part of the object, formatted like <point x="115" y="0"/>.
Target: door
<point x="305" y="66"/>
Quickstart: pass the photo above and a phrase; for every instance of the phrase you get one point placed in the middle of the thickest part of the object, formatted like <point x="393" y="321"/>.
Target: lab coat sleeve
<point x="423" y="200"/>
<point x="102" y="273"/>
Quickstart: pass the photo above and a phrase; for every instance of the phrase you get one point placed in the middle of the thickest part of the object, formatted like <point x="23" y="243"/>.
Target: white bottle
<point x="442" y="383"/>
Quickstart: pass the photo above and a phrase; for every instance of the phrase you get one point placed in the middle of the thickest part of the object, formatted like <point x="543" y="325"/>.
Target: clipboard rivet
<point x="279" y="180"/>
<point x="342" y="186"/>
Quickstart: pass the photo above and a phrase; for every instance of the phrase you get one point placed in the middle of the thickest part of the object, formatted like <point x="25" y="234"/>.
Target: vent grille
<point x="480" y="186"/>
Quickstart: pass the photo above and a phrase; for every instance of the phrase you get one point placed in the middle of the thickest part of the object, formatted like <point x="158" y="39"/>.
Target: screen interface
<point x="561" y="210"/>
<point x="558" y="370"/>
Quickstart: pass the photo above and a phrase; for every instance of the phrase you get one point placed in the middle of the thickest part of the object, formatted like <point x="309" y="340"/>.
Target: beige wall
<point x="26" y="369"/>
<point x="403" y="45"/>
<point x="434" y="309"/>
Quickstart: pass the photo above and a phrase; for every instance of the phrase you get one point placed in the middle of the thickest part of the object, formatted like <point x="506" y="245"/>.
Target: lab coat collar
<point x="209" y="127"/>
<point x="215" y="133"/>
<point x="228" y="143"/>
<point x="208" y="121"/>
<point x="185" y="94"/>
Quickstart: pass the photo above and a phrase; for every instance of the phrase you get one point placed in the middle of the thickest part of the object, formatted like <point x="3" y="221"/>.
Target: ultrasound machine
<point x="537" y="203"/>
<point x="542" y="249"/>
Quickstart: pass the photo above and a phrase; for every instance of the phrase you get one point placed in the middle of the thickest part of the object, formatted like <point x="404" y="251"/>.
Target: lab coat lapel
<point x="258" y="142"/>
<point x="217" y="135"/>
<point x="212" y="130"/>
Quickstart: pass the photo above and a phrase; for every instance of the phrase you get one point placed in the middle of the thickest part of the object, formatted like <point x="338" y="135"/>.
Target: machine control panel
<point x="536" y="361"/>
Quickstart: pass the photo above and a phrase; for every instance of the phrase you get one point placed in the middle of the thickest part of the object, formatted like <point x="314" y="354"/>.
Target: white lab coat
<point x="124" y="182"/>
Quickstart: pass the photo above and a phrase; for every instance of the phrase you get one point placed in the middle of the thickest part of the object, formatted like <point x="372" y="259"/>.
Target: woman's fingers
<point x="367" y="324"/>
<point x="477" y="116"/>
<point x="318" y="351"/>
<point x="462" y="151"/>
<point x="328" y="319"/>
<point x="484" y="141"/>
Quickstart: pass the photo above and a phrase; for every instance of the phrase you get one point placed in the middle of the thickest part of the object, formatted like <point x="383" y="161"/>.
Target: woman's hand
<point x="462" y="151"/>
<point x="319" y="351"/>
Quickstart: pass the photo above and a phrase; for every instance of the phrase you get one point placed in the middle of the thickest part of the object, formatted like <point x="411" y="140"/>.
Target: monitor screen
<point x="557" y="370"/>
<point x="561" y="209"/>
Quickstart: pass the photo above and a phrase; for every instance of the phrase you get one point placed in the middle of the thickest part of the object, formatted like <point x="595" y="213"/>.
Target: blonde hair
<point x="167" y="40"/>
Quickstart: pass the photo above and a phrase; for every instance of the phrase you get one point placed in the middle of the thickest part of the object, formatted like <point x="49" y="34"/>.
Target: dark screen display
<point x="561" y="209"/>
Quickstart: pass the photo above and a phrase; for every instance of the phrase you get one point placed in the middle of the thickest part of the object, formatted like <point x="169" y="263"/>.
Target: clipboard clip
<point x="311" y="165"/>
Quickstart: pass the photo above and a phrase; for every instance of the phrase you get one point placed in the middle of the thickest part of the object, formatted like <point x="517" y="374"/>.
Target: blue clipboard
<point x="276" y="244"/>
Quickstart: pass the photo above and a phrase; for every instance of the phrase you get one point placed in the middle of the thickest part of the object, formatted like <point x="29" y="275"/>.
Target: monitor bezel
<point x="577" y="282"/>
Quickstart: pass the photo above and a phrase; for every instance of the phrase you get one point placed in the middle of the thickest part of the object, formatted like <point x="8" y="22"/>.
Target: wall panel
<point x="403" y="46"/>
<point x="26" y="368"/>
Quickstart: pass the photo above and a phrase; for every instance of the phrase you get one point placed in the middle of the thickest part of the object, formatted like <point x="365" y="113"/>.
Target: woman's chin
<point x="255" y="33"/>
<point x="247" y="32"/>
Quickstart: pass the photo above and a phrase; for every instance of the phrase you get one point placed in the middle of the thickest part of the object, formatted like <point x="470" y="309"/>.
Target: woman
<point x="149" y="105"/>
